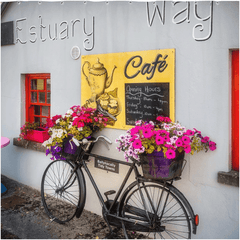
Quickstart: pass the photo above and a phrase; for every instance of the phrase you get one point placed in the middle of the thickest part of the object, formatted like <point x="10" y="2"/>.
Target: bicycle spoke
<point x="165" y="214"/>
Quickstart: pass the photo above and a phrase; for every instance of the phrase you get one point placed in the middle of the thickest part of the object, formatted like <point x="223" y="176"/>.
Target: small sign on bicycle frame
<point x="107" y="165"/>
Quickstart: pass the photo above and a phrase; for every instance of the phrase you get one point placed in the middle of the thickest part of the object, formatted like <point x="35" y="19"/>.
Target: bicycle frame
<point x="132" y="167"/>
<point x="139" y="179"/>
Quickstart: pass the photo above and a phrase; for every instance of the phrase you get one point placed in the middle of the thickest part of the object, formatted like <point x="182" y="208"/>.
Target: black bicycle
<point x="154" y="208"/>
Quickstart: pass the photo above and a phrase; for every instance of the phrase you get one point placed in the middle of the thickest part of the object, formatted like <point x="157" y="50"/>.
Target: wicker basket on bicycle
<point x="156" y="166"/>
<point x="70" y="150"/>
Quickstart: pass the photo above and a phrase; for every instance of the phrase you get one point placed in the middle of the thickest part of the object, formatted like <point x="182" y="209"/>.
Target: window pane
<point x="34" y="84"/>
<point x="49" y="84"/>
<point x="36" y="110"/>
<point x="33" y="97"/>
<point x="49" y="97"/>
<point x="45" y="110"/>
<point x="44" y="120"/>
<point x="37" y="119"/>
<point x="41" y="97"/>
<point x="40" y="84"/>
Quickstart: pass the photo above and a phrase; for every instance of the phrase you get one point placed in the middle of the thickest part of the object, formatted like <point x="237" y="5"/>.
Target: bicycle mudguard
<point x="174" y="190"/>
<point x="82" y="193"/>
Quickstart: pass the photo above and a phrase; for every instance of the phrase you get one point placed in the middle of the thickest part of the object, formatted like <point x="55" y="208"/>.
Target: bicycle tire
<point x="145" y="207"/>
<point x="61" y="204"/>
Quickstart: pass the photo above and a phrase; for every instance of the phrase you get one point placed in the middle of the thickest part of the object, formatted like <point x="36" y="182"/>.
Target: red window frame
<point x="235" y="110"/>
<point x="31" y="106"/>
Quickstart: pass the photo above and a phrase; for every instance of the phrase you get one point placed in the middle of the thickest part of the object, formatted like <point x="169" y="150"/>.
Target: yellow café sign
<point x="131" y="85"/>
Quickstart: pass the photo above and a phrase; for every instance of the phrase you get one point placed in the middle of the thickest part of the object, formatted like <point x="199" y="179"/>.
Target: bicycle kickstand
<point x="124" y="229"/>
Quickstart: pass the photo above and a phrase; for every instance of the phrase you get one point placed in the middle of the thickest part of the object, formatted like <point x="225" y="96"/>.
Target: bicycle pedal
<point x="109" y="192"/>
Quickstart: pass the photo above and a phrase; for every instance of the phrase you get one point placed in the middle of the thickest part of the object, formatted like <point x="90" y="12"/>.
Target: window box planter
<point x="40" y="135"/>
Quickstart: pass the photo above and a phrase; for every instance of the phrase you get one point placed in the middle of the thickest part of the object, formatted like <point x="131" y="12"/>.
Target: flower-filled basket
<point x="160" y="147"/>
<point x="78" y="122"/>
<point x="156" y="166"/>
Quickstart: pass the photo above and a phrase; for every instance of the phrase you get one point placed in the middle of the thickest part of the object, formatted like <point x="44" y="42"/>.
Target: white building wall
<point x="202" y="89"/>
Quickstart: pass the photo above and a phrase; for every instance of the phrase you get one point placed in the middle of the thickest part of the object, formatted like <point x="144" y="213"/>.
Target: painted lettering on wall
<point x="135" y="62"/>
<point x="201" y="31"/>
<point x="56" y="31"/>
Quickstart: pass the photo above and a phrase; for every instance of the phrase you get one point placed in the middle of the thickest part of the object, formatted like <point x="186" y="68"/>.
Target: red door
<point x="235" y="110"/>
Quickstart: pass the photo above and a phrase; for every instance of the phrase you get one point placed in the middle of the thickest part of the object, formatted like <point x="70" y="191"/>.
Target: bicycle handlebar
<point x="85" y="141"/>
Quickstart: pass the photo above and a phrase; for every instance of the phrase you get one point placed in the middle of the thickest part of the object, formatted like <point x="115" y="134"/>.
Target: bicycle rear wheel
<point x="61" y="190"/>
<point x="157" y="213"/>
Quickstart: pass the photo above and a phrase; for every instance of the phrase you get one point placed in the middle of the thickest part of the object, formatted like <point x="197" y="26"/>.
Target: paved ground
<point x="23" y="217"/>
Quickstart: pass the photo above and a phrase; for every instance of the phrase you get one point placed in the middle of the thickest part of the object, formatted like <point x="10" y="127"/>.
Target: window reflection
<point x="49" y="84"/>
<point x="33" y="97"/>
<point x="45" y="110"/>
<point x="34" y="84"/>
<point x="37" y="110"/>
<point x="42" y="97"/>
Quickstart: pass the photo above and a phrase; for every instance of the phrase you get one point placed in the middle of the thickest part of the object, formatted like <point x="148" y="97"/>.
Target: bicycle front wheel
<point x="60" y="191"/>
<point x="157" y="213"/>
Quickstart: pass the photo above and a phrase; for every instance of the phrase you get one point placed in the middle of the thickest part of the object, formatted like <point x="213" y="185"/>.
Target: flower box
<point x="40" y="135"/>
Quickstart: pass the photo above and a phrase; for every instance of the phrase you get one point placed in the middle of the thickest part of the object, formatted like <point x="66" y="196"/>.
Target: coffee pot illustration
<point x="97" y="79"/>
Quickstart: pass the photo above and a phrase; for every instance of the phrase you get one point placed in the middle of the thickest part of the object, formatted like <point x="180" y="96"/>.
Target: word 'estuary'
<point x="63" y="30"/>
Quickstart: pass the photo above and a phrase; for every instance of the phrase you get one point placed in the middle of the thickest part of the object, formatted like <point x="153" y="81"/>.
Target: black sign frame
<point x="146" y="101"/>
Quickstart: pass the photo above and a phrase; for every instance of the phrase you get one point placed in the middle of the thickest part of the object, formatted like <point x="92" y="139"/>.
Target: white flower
<point x="152" y="123"/>
<point x="59" y="135"/>
<point x="179" y="133"/>
<point x="49" y="141"/>
<point x="184" y="129"/>
<point x="58" y="120"/>
<point x="142" y="149"/>
<point x="60" y="131"/>
<point x="166" y="126"/>
<point x="80" y="129"/>
<point x="139" y="122"/>
<point x="69" y="112"/>
<point x="122" y="137"/>
<point x="173" y="139"/>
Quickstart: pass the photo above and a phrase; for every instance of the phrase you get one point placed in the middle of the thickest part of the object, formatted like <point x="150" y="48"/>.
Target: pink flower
<point x="179" y="143"/>
<point x="169" y="146"/>
<point x="187" y="148"/>
<point x="166" y="138"/>
<point x="186" y="140"/>
<point x="170" y="154"/>
<point x="80" y="124"/>
<point x="189" y="132"/>
<point x="197" y="131"/>
<point x="134" y="130"/>
<point x="137" y="144"/>
<point x="212" y="145"/>
<point x="205" y="139"/>
<point x="159" y="140"/>
<point x="147" y="133"/>
<point x="164" y="119"/>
